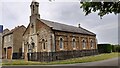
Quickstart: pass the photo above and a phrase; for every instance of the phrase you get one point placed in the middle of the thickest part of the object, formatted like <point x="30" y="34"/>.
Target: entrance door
<point x="9" y="53"/>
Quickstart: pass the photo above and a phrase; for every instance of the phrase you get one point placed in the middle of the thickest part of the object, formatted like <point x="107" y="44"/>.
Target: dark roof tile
<point x="64" y="27"/>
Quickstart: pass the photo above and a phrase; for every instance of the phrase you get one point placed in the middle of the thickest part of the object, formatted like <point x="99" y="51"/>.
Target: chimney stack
<point x="78" y="25"/>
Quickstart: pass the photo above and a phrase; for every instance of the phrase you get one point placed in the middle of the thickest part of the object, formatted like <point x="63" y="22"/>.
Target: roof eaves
<point x="75" y="32"/>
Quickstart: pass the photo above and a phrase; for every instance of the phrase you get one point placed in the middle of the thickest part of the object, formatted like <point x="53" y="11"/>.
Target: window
<point x="91" y="44"/>
<point x="83" y="44"/>
<point x="73" y="43"/>
<point x="43" y="44"/>
<point x="9" y="38"/>
<point x="5" y="40"/>
<point x="33" y="45"/>
<point x="29" y="47"/>
<point x="32" y="25"/>
<point x="32" y="28"/>
<point x="61" y="43"/>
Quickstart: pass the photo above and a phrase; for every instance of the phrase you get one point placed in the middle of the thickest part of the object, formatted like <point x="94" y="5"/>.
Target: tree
<point x="101" y="7"/>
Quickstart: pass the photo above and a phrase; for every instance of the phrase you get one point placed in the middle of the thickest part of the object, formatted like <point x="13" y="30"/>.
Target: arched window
<point x="83" y="44"/>
<point x="44" y="47"/>
<point x="32" y="27"/>
<point x="43" y="44"/>
<point x="29" y="47"/>
<point x="91" y="44"/>
<point x="61" y="43"/>
<point x="73" y="43"/>
<point x="33" y="45"/>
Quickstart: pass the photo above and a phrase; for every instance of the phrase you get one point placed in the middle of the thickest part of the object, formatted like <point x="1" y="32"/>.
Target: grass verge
<point x="68" y="61"/>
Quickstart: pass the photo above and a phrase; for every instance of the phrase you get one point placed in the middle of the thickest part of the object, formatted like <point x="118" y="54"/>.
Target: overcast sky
<point x="17" y="12"/>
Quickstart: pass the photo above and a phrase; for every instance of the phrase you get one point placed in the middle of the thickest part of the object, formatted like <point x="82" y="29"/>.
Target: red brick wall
<point x="68" y="40"/>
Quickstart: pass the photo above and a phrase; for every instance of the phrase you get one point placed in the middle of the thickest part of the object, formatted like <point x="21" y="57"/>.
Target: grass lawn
<point x="68" y="61"/>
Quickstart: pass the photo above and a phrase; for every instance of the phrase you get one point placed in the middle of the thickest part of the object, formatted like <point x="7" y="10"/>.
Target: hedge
<point x="104" y="48"/>
<point x="115" y="48"/>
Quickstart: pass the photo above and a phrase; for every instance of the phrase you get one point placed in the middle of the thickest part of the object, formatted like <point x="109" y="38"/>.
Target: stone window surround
<point x="73" y="43"/>
<point x="62" y="43"/>
<point x="5" y="39"/>
<point x="84" y="43"/>
<point x="44" y="44"/>
<point x="91" y="43"/>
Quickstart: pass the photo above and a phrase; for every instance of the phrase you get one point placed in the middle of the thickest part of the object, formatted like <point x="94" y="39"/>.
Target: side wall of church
<point x="53" y="51"/>
<point x="67" y="41"/>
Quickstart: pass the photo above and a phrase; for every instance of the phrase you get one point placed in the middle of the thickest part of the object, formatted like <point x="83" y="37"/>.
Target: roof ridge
<point x="59" y="23"/>
<point x="14" y="29"/>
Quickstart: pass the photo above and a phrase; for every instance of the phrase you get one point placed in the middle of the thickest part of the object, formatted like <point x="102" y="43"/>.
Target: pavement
<point x="110" y="63"/>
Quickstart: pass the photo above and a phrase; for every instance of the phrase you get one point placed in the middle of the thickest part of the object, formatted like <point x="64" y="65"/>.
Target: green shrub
<point x="104" y="48"/>
<point x="115" y="48"/>
<point x="118" y="48"/>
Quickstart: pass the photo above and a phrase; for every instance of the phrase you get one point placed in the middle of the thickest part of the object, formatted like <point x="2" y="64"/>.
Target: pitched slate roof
<point x="67" y="28"/>
<point x="11" y="31"/>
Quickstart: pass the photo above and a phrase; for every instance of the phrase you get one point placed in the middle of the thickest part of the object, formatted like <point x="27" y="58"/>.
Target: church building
<point x="49" y="41"/>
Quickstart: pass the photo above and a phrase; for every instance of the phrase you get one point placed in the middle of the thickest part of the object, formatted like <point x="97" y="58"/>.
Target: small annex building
<point x="12" y="42"/>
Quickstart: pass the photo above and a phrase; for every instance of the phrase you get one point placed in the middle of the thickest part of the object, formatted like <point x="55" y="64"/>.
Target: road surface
<point x="110" y="63"/>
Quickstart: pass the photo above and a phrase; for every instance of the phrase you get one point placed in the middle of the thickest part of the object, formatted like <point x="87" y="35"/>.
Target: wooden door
<point x="9" y="53"/>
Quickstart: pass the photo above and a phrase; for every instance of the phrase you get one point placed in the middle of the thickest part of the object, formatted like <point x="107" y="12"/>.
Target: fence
<point x="61" y="55"/>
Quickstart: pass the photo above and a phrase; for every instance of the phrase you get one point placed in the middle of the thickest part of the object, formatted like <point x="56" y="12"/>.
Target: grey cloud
<point x="65" y="12"/>
<point x="108" y="36"/>
<point x="14" y="14"/>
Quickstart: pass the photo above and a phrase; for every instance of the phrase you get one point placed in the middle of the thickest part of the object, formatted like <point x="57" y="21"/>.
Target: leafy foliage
<point x="103" y="8"/>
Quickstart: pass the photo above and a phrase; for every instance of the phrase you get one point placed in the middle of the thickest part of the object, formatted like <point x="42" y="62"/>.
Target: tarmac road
<point x="110" y="63"/>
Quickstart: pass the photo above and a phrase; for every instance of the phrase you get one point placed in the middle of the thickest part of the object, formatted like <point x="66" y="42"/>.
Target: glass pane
<point x="61" y="41"/>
